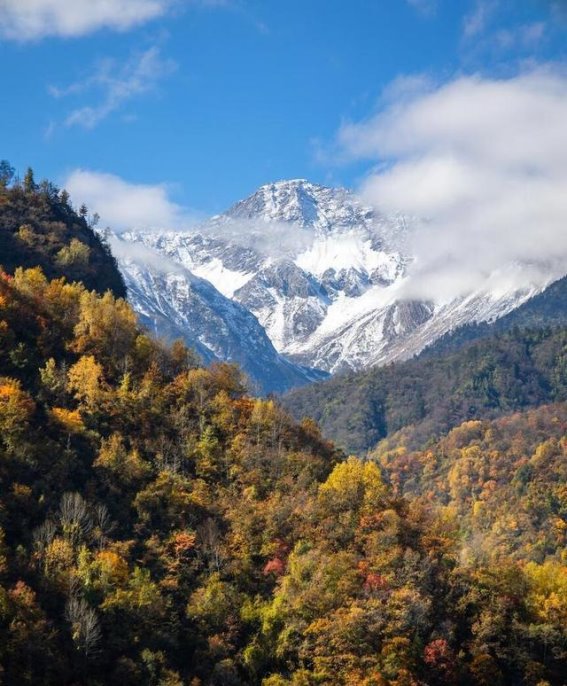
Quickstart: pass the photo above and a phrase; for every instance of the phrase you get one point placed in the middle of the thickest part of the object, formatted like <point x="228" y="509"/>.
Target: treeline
<point x="40" y="227"/>
<point x="545" y="310"/>
<point x="485" y="379"/>
<point x="160" y="527"/>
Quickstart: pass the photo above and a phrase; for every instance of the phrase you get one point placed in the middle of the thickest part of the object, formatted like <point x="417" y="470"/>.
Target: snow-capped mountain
<point x="174" y="303"/>
<point x="300" y="269"/>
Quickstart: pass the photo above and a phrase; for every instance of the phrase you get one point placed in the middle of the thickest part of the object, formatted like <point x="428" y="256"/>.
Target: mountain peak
<point x="301" y="202"/>
<point x="288" y="182"/>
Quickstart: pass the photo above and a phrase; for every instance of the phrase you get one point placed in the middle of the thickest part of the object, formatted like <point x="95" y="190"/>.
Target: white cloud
<point x="490" y="28"/>
<point x="476" y="22"/>
<point x="484" y="163"/>
<point x="527" y="36"/>
<point x="115" y="85"/>
<point x="129" y="251"/>
<point x="123" y="205"/>
<point x="273" y="238"/>
<point x="425" y="7"/>
<point x="34" y="19"/>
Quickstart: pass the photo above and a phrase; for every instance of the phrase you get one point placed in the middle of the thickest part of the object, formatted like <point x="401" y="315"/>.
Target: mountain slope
<point x="546" y="309"/>
<point x="288" y="253"/>
<point x="325" y="276"/>
<point x="504" y="479"/>
<point x="158" y="527"/>
<point x="174" y="303"/>
<point x="428" y="396"/>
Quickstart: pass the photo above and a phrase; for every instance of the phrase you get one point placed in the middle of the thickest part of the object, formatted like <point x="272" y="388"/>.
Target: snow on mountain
<point x="320" y="274"/>
<point x="174" y="303"/>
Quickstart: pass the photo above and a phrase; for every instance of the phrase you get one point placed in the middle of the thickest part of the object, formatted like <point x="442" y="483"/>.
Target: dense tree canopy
<point x="39" y="227"/>
<point x="429" y="395"/>
<point x="159" y="526"/>
<point x="505" y="481"/>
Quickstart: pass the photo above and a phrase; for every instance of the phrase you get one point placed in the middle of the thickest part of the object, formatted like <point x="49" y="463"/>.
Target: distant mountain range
<point x="296" y="282"/>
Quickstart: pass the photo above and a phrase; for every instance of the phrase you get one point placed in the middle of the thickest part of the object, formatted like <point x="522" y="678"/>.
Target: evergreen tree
<point x="6" y="173"/>
<point x="29" y="181"/>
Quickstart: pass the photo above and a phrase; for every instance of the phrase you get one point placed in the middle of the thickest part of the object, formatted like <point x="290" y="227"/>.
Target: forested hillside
<point x="158" y="526"/>
<point x="39" y="227"/>
<point x="485" y="379"/>
<point x="505" y="481"/>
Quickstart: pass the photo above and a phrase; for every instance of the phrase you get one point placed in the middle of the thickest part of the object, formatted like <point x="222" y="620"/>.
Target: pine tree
<point x="6" y="173"/>
<point x="29" y="182"/>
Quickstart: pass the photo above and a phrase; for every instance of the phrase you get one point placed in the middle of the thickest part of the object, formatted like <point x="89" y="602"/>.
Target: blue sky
<point x="199" y="102"/>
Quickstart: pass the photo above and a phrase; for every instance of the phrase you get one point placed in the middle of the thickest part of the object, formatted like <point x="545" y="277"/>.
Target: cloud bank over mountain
<point x="482" y="162"/>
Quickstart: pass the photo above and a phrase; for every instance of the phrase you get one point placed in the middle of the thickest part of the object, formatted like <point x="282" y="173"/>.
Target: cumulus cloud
<point x="483" y="163"/>
<point x="34" y="19"/>
<point x="122" y="205"/>
<point x="114" y="84"/>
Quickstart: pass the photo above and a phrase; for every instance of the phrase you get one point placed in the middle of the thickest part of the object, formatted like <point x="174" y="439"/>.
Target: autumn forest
<point x="159" y="526"/>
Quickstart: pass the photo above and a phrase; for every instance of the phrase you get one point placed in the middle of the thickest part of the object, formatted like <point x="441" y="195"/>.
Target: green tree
<point x="30" y="185"/>
<point x="6" y="173"/>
